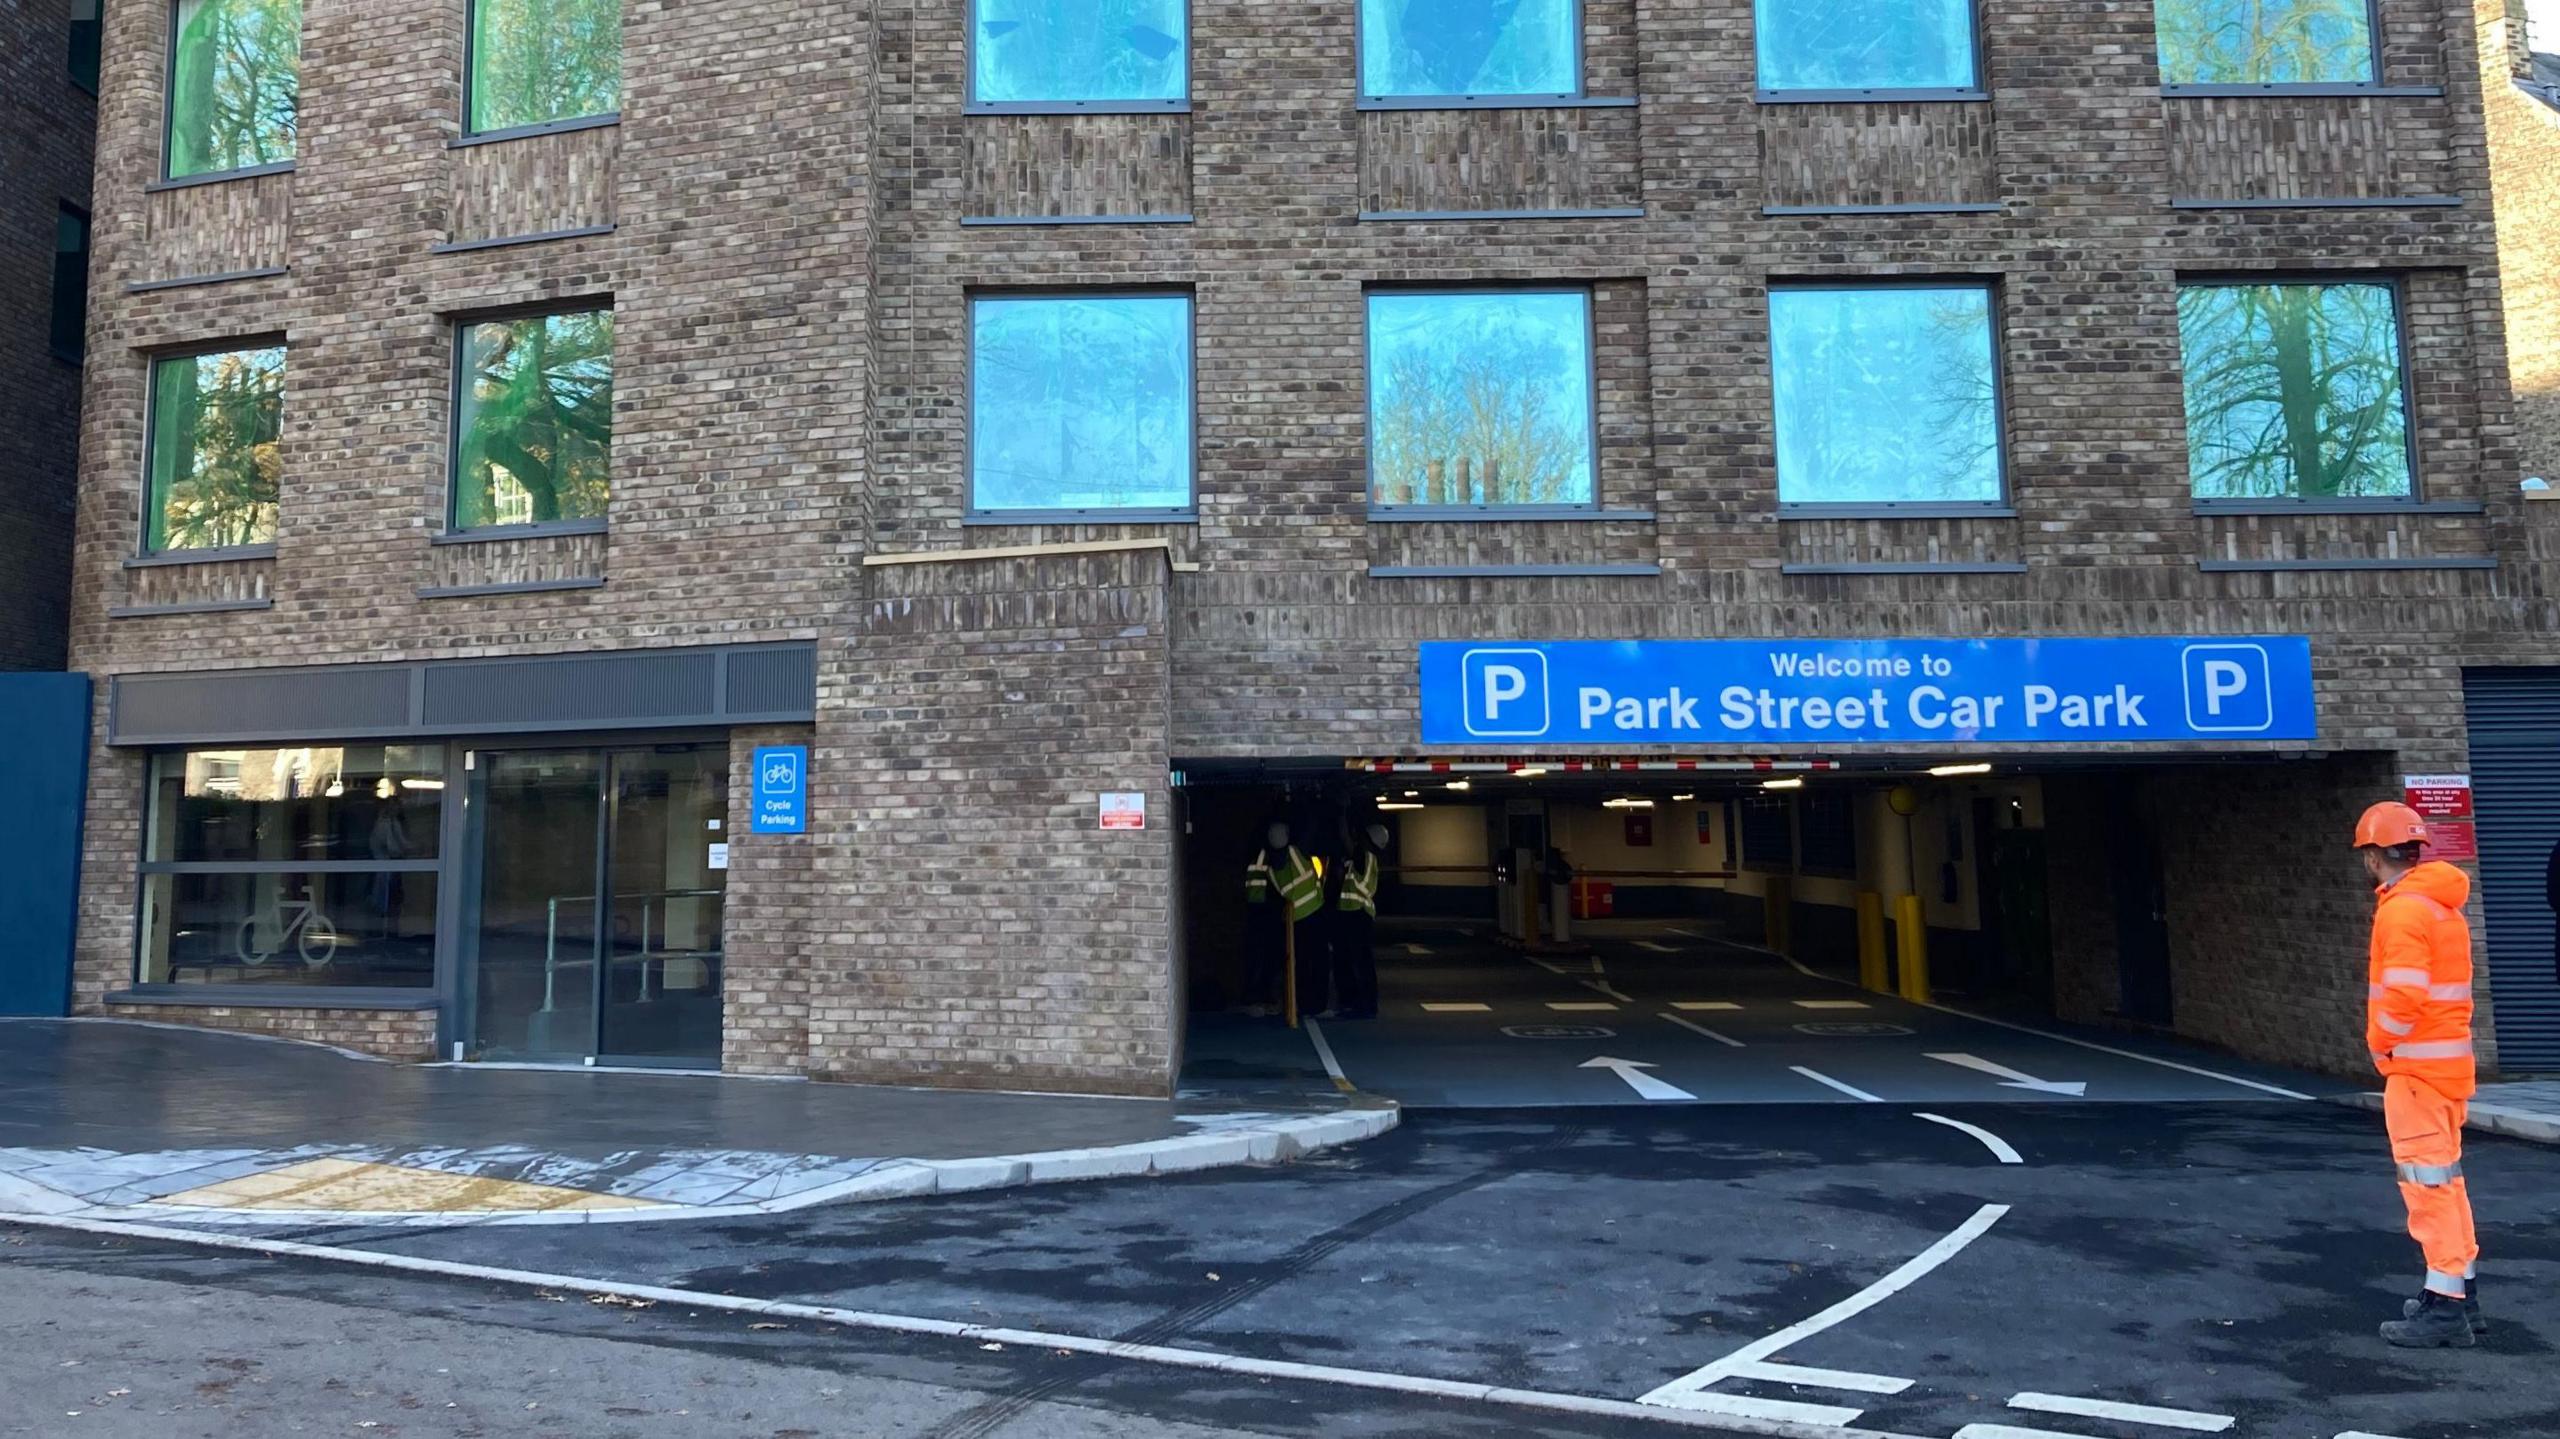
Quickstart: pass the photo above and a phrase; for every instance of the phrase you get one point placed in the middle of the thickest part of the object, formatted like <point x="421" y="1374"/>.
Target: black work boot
<point x="2470" y="1307"/>
<point x="2436" y="1321"/>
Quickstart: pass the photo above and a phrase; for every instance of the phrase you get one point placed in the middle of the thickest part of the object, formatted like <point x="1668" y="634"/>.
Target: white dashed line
<point x="1811" y="1377"/>
<point x="2360" y="1434"/>
<point x="1582" y="1006"/>
<point x="2012" y="1431"/>
<point x="1697" y="1005"/>
<point x="1833" y="1004"/>
<point x="1702" y="1029"/>
<point x="1448" y="1008"/>
<point x="1998" y="1146"/>
<point x="1602" y="986"/>
<point x="2188" y="1419"/>
<point x="1851" y="1090"/>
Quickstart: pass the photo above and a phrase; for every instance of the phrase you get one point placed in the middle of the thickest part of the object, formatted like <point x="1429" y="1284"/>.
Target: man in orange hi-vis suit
<point x="2418" y="1026"/>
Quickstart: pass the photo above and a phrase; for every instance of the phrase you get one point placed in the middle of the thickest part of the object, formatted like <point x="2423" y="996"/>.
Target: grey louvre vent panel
<point x="781" y="681"/>
<point x="625" y="689"/>
<point x="2515" y="776"/>
<point x="576" y="690"/>
<point x="261" y="704"/>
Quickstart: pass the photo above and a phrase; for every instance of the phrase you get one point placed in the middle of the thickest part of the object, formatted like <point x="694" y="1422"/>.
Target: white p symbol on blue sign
<point x="1506" y="693"/>
<point x="2230" y="689"/>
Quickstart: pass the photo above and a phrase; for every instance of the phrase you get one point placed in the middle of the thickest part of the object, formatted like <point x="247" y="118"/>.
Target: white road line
<point x="949" y="1329"/>
<point x="1445" y="1008"/>
<point x="1683" y="933"/>
<point x="1745" y="1406"/>
<point x="1324" y="1051"/>
<point x="1412" y="948"/>
<point x="1694" y="1005"/>
<point x="1602" y="986"/>
<point x="1582" y="1006"/>
<point x="1833" y="1004"/>
<point x="2012" y="1431"/>
<point x="2188" y="1419"/>
<point x="1999" y="1147"/>
<point x="1851" y="1090"/>
<point x="1702" y="1029"/>
<point x="1633" y="1072"/>
<point x="1912" y="1271"/>
<point x="2360" y="1434"/>
<point x="1811" y="1377"/>
<point x="1658" y="948"/>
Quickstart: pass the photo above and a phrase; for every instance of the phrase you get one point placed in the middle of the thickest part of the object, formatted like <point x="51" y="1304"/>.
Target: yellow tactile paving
<point x="355" y="1186"/>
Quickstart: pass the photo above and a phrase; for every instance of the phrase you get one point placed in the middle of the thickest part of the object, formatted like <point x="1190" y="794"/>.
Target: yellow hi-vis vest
<point x="1297" y="880"/>
<point x="1360" y="886"/>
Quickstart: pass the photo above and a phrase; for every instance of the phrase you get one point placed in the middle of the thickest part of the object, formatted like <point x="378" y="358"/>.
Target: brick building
<point x="48" y="113"/>
<point x="2520" y="81"/>
<point x="486" y="458"/>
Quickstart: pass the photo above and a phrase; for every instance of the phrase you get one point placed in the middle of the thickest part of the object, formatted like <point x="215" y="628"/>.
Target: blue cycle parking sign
<point x="1871" y="692"/>
<point x="781" y="796"/>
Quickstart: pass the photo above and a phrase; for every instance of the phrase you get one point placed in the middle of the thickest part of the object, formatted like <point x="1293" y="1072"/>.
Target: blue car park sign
<point x="781" y="790"/>
<point x="1908" y="693"/>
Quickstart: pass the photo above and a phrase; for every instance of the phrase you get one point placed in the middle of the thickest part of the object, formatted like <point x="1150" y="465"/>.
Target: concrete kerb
<point x="1274" y="1141"/>
<point x="2488" y="1118"/>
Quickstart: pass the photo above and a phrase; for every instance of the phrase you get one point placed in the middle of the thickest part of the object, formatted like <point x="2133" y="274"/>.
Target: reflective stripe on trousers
<point x="2430" y="1175"/>
<point x="2425" y="1125"/>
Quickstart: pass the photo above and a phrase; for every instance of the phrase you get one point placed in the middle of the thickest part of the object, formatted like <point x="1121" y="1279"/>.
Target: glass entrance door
<point x="599" y="904"/>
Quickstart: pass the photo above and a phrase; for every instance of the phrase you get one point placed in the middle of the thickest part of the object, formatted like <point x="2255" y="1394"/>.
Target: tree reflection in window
<point x="215" y="420"/>
<point x="1481" y="398"/>
<point x="536" y="420"/>
<point x="534" y="62"/>
<point x="234" y="85"/>
<point x="1067" y="51"/>
<point x="2265" y="42"/>
<point x="1469" y="47"/>
<point x="1080" y="403"/>
<point x="2294" y="391"/>
<point x="1866" y="44"/>
<point x="1885" y="394"/>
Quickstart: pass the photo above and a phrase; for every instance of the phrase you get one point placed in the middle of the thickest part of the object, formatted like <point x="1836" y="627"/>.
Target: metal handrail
<point x="551" y="935"/>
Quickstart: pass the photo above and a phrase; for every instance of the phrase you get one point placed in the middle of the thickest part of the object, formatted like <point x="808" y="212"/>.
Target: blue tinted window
<point x="1080" y="403"/>
<point x="1064" y="51"/>
<point x="2265" y="42"/>
<point x="1480" y="399"/>
<point x="1470" y="47"/>
<point x="1866" y="45"/>
<point x="2294" y="392"/>
<point x="1885" y="395"/>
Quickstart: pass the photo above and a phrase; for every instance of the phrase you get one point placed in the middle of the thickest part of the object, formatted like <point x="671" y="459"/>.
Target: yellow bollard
<point x="1777" y="916"/>
<point x="1914" y="945"/>
<point x="1873" y="975"/>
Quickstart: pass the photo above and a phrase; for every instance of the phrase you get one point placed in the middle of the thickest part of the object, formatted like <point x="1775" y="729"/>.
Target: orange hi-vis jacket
<point x="2418" y="994"/>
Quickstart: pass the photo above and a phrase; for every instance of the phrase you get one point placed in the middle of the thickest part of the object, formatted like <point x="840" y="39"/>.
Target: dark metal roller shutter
<point x="2515" y="775"/>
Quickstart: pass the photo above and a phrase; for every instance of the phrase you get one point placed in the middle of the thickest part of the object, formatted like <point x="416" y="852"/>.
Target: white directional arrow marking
<point x="1645" y="1085"/>
<point x="2012" y="1079"/>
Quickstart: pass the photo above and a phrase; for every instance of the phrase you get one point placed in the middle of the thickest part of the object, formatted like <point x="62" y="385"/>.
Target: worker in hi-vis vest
<point x="2418" y="1026"/>
<point x="1355" y="927"/>
<point x="1280" y="889"/>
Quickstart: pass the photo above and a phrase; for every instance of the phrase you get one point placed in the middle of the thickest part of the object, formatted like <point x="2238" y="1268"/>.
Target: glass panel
<point x="1470" y="47"/>
<point x="1080" y="403"/>
<point x="357" y="930"/>
<point x="536" y="61"/>
<point x="85" y="33"/>
<point x="534" y="978"/>
<point x="356" y="802"/>
<point x="234" y="84"/>
<point x="1866" y="44"/>
<point x="70" y="283"/>
<point x="1031" y="51"/>
<point x="669" y="874"/>
<point x="2294" y="391"/>
<point x="536" y="424"/>
<point x="1480" y="399"/>
<point x="215" y="420"/>
<point x="1885" y="394"/>
<point x="2265" y="42"/>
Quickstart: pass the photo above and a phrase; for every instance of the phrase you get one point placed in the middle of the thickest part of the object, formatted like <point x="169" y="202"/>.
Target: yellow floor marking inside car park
<point x="356" y="1186"/>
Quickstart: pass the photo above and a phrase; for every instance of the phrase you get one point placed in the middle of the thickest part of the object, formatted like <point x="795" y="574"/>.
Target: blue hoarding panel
<point x="1915" y="692"/>
<point x="44" y="770"/>
<point x="781" y="790"/>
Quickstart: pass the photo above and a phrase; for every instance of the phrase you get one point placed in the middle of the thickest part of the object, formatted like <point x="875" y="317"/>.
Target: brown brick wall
<point x="46" y="125"/>
<point x="778" y="907"/>
<point x="405" y="1034"/>
<point x="2524" y="158"/>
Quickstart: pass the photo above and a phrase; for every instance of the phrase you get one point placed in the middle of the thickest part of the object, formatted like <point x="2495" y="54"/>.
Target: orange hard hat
<point x="2390" y="824"/>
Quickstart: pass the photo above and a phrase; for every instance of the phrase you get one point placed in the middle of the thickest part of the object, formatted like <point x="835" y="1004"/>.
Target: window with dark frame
<point x="1095" y="55"/>
<point x="1899" y="46"/>
<point x="292" y="868"/>
<point x="540" y="63"/>
<point x="1482" y="399"/>
<point x="1431" y="49"/>
<point x="215" y="459"/>
<point x="70" y="320"/>
<point x="235" y="79"/>
<point x="2266" y="42"/>
<point x="1886" y="393"/>
<point x="533" y="419"/>
<point x="1766" y="825"/>
<point x="1080" y="403"/>
<point x="1827" y="832"/>
<point x="2295" y="390"/>
<point x="87" y="30"/>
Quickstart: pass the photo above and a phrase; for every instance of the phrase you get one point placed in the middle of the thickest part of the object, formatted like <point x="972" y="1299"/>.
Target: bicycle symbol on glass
<point x="299" y="922"/>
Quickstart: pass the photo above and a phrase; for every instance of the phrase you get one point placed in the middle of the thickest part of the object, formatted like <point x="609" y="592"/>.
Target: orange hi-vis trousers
<point x="2426" y="1143"/>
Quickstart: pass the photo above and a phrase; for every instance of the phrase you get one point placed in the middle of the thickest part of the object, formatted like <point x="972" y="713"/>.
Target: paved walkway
<point x="2522" y="1109"/>
<point x="118" y="1120"/>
